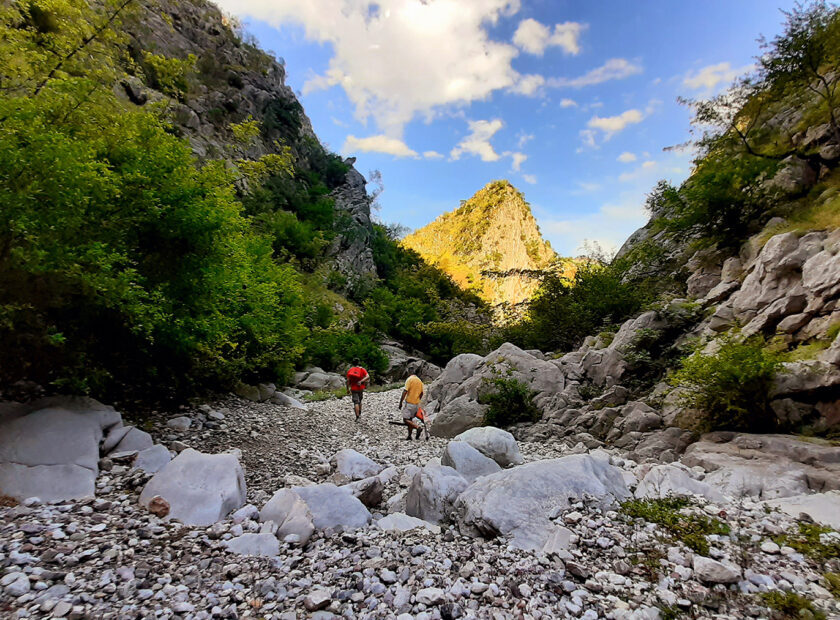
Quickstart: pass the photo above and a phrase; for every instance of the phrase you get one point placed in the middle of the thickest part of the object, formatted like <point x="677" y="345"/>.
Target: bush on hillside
<point x="731" y="387"/>
<point x="510" y="402"/>
<point x="564" y="311"/>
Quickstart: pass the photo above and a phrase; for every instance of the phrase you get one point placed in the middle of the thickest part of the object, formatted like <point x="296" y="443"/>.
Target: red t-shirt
<point x="355" y="376"/>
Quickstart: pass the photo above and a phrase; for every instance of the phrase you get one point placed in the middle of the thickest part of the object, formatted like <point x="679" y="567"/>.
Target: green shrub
<point x="332" y="348"/>
<point x="731" y="387"/>
<point x="818" y="542"/>
<point x="690" y="529"/>
<point x="510" y="402"/>
<point x="789" y="605"/>
<point x="563" y="312"/>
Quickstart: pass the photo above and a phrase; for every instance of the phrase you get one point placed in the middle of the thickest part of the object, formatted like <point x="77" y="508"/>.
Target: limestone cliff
<point x="232" y="80"/>
<point x="490" y="244"/>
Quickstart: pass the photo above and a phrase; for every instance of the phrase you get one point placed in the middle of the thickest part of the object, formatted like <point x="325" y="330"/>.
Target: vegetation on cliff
<point x="129" y="265"/>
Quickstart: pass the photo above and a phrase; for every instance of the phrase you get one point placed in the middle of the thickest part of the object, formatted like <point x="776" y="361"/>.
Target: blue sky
<point x="571" y="101"/>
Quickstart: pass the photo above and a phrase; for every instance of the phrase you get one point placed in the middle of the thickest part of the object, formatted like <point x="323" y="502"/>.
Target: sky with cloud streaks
<point x="572" y="101"/>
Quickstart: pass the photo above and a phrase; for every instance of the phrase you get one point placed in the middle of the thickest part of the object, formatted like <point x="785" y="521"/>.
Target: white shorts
<point x="410" y="411"/>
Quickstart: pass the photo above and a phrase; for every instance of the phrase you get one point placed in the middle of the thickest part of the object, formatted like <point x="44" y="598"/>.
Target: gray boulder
<point x="291" y="514"/>
<point x="433" y="492"/>
<point x="368" y="491"/>
<point x="494" y="443"/>
<point x="520" y="502"/>
<point x="712" y="571"/>
<point x="285" y="400"/>
<point x="50" y="449"/>
<point x="456" y="372"/>
<point x="265" y="545"/>
<point x="821" y="507"/>
<point x="201" y="489"/>
<point x="457" y="416"/>
<point x="354" y="465"/>
<point x="401" y="522"/>
<point x="467" y="461"/>
<point x="333" y="507"/>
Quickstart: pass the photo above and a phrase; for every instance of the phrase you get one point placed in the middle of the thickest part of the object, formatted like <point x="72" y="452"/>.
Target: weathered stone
<point x="201" y="488"/>
<point x="432" y="493"/>
<point x="457" y="416"/>
<point x="291" y="514"/>
<point x="519" y="502"/>
<point x="354" y="465"/>
<point x="494" y="443"/>
<point x="712" y="571"/>
<point x="666" y="480"/>
<point x="401" y="522"/>
<point x="333" y="507"/>
<point x="467" y="461"/>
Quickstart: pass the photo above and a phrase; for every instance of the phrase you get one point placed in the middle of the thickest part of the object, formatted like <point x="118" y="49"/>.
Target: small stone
<point x="181" y="423"/>
<point x="431" y="596"/>
<point x="317" y="599"/>
<point x="770" y="547"/>
<point x="158" y="506"/>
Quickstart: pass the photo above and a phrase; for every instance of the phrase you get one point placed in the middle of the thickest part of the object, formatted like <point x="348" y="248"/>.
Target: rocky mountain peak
<point x="491" y="244"/>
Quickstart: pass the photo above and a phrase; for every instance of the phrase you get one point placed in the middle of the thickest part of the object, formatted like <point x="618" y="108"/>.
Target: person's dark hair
<point x="357" y="361"/>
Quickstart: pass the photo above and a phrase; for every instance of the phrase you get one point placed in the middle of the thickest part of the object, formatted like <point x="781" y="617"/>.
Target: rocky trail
<point x="543" y="538"/>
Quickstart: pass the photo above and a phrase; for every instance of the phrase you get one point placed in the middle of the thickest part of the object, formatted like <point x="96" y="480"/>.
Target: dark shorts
<point x="357" y="397"/>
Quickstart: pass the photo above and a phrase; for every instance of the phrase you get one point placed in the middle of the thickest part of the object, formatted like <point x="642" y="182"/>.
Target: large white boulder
<point x="467" y="461"/>
<point x="494" y="443"/>
<point x="291" y="515"/>
<point x="433" y="492"/>
<point x="354" y="465"/>
<point x="520" y="502"/>
<point x="201" y="489"/>
<point x="152" y="460"/>
<point x="333" y="507"/>
<point x="712" y="571"/>
<point x="457" y="416"/>
<point x="50" y="449"/>
<point x="675" y="479"/>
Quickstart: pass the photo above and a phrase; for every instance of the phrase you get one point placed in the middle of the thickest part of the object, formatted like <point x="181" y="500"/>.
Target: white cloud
<point x="531" y="179"/>
<point x="568" y="103"/>
<point x="648" y="165"/>
<point x="397" y="59"/>
<point x="518" y="160"/>
<point x="524" y="139"/>
<point x="478" y="141"/>
<point x="613" y="69"/>
<point x="627" y="157"/>
<point x="610" y="125"/>
<point x="587" y="188"/>
<point x="708" y="78"/>
<point x="534" y="37"/>
<point x="528" y="84"/>
<point x="378" y="144"/>
<point x="432" y="155"/>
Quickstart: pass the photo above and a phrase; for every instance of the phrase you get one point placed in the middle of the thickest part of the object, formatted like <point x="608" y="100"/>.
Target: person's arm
<point x="402" y="398"/>
<point x="366" y="379"/>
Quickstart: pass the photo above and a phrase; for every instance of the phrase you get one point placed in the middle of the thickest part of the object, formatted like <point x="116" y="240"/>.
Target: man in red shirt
<point x="357" y="381"/>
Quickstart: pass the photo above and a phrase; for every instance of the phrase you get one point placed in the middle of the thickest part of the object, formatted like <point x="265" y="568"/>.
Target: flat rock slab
<point x="265" y="545"/>
<point x="821" y="507"/>
<point x="518" y="502"/>
<point x="401" y="522"/>
<point x="201" y="489"/>
<point x="52" y="453"/>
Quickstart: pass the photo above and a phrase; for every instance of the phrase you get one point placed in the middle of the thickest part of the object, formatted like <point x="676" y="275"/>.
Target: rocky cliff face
<point x="490" y="244"/>
<point x="232" y="80"/>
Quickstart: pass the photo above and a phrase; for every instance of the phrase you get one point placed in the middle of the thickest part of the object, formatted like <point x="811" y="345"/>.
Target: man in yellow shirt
<point x="411" y="396"/>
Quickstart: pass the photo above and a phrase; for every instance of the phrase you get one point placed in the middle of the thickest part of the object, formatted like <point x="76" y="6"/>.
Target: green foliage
<point x="563" y="312"/>
<point x="731" y="387"/>
<point x="325" y="394"/>
<point x="818" y="542"/>
<point x="790" y="605"/>
<point x="332" y="348"/>
<point x="510" y="402"/>
<point x="171" y="76"/>
<point x="832" y="581"/>
<point x="690" y="529"/>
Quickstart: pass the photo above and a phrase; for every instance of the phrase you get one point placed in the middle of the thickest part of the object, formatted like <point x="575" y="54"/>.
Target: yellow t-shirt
<point x="413" y="389"/>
